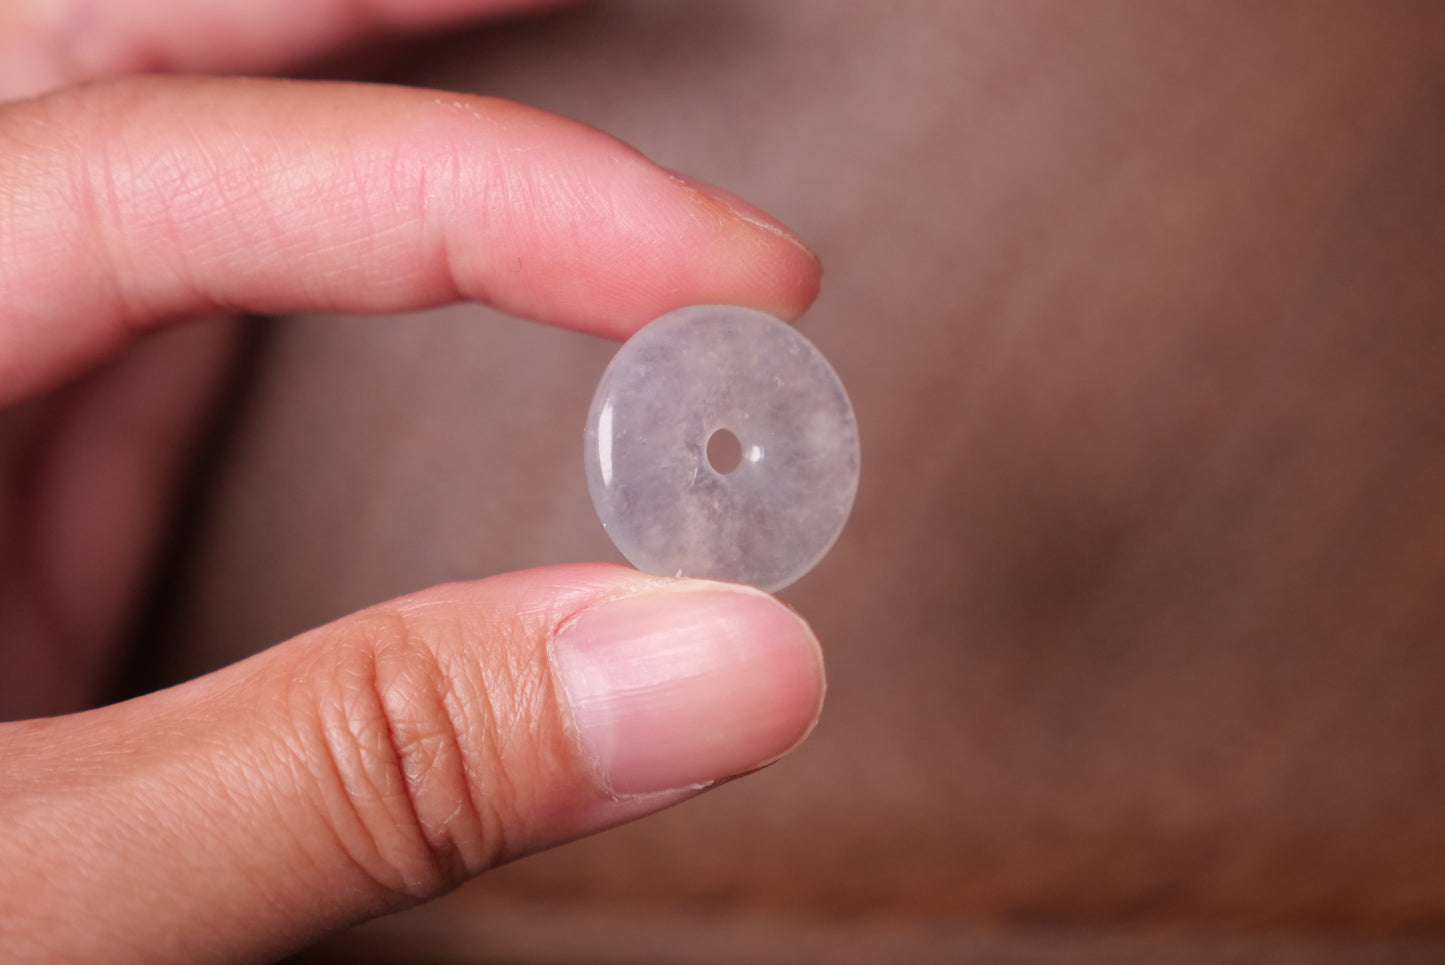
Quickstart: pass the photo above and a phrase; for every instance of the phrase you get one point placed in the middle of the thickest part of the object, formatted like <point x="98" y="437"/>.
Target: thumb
<point x="382" y="759"/>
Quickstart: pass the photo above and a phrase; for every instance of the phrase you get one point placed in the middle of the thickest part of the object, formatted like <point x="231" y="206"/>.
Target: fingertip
<point x="687" y="685"/>
<point x="788" y="271"/>
<point x="598" y="236"/>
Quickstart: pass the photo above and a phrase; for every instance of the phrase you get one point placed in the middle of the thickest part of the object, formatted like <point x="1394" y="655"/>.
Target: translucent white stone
<point x="694" y="377"/>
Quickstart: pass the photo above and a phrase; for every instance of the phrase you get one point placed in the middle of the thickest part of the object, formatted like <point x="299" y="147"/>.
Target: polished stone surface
<point x="721" y="444"/>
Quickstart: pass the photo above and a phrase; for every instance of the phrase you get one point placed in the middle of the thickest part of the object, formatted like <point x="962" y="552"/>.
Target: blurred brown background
<point x="1137" y="636"/>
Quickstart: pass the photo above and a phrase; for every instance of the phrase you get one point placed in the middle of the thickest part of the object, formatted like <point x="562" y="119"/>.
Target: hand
<point x="381" y="759"/>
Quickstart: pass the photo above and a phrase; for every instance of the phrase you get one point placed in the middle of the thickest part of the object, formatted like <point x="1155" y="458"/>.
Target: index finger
<point x="53" y="44"/>
<point x="129" y="203"/>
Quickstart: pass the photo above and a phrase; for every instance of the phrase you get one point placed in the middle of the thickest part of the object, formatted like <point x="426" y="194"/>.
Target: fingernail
<point x="743" y="211"/>
<point x="688" y="686"/>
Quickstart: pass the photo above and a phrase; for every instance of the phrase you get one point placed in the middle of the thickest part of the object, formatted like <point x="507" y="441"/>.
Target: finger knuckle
<point x="427" y="737"/>
<point x="76" y="179"/>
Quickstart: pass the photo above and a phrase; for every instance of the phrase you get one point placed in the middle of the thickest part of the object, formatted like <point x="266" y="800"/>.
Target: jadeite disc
<point x="680" y="394"/>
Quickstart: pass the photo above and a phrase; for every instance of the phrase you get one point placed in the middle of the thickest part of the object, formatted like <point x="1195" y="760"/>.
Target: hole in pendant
<point x="724" y="451"/>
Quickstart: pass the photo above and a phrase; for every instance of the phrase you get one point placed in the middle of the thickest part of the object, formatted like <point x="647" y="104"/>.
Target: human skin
<point x="380" y="759"/>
